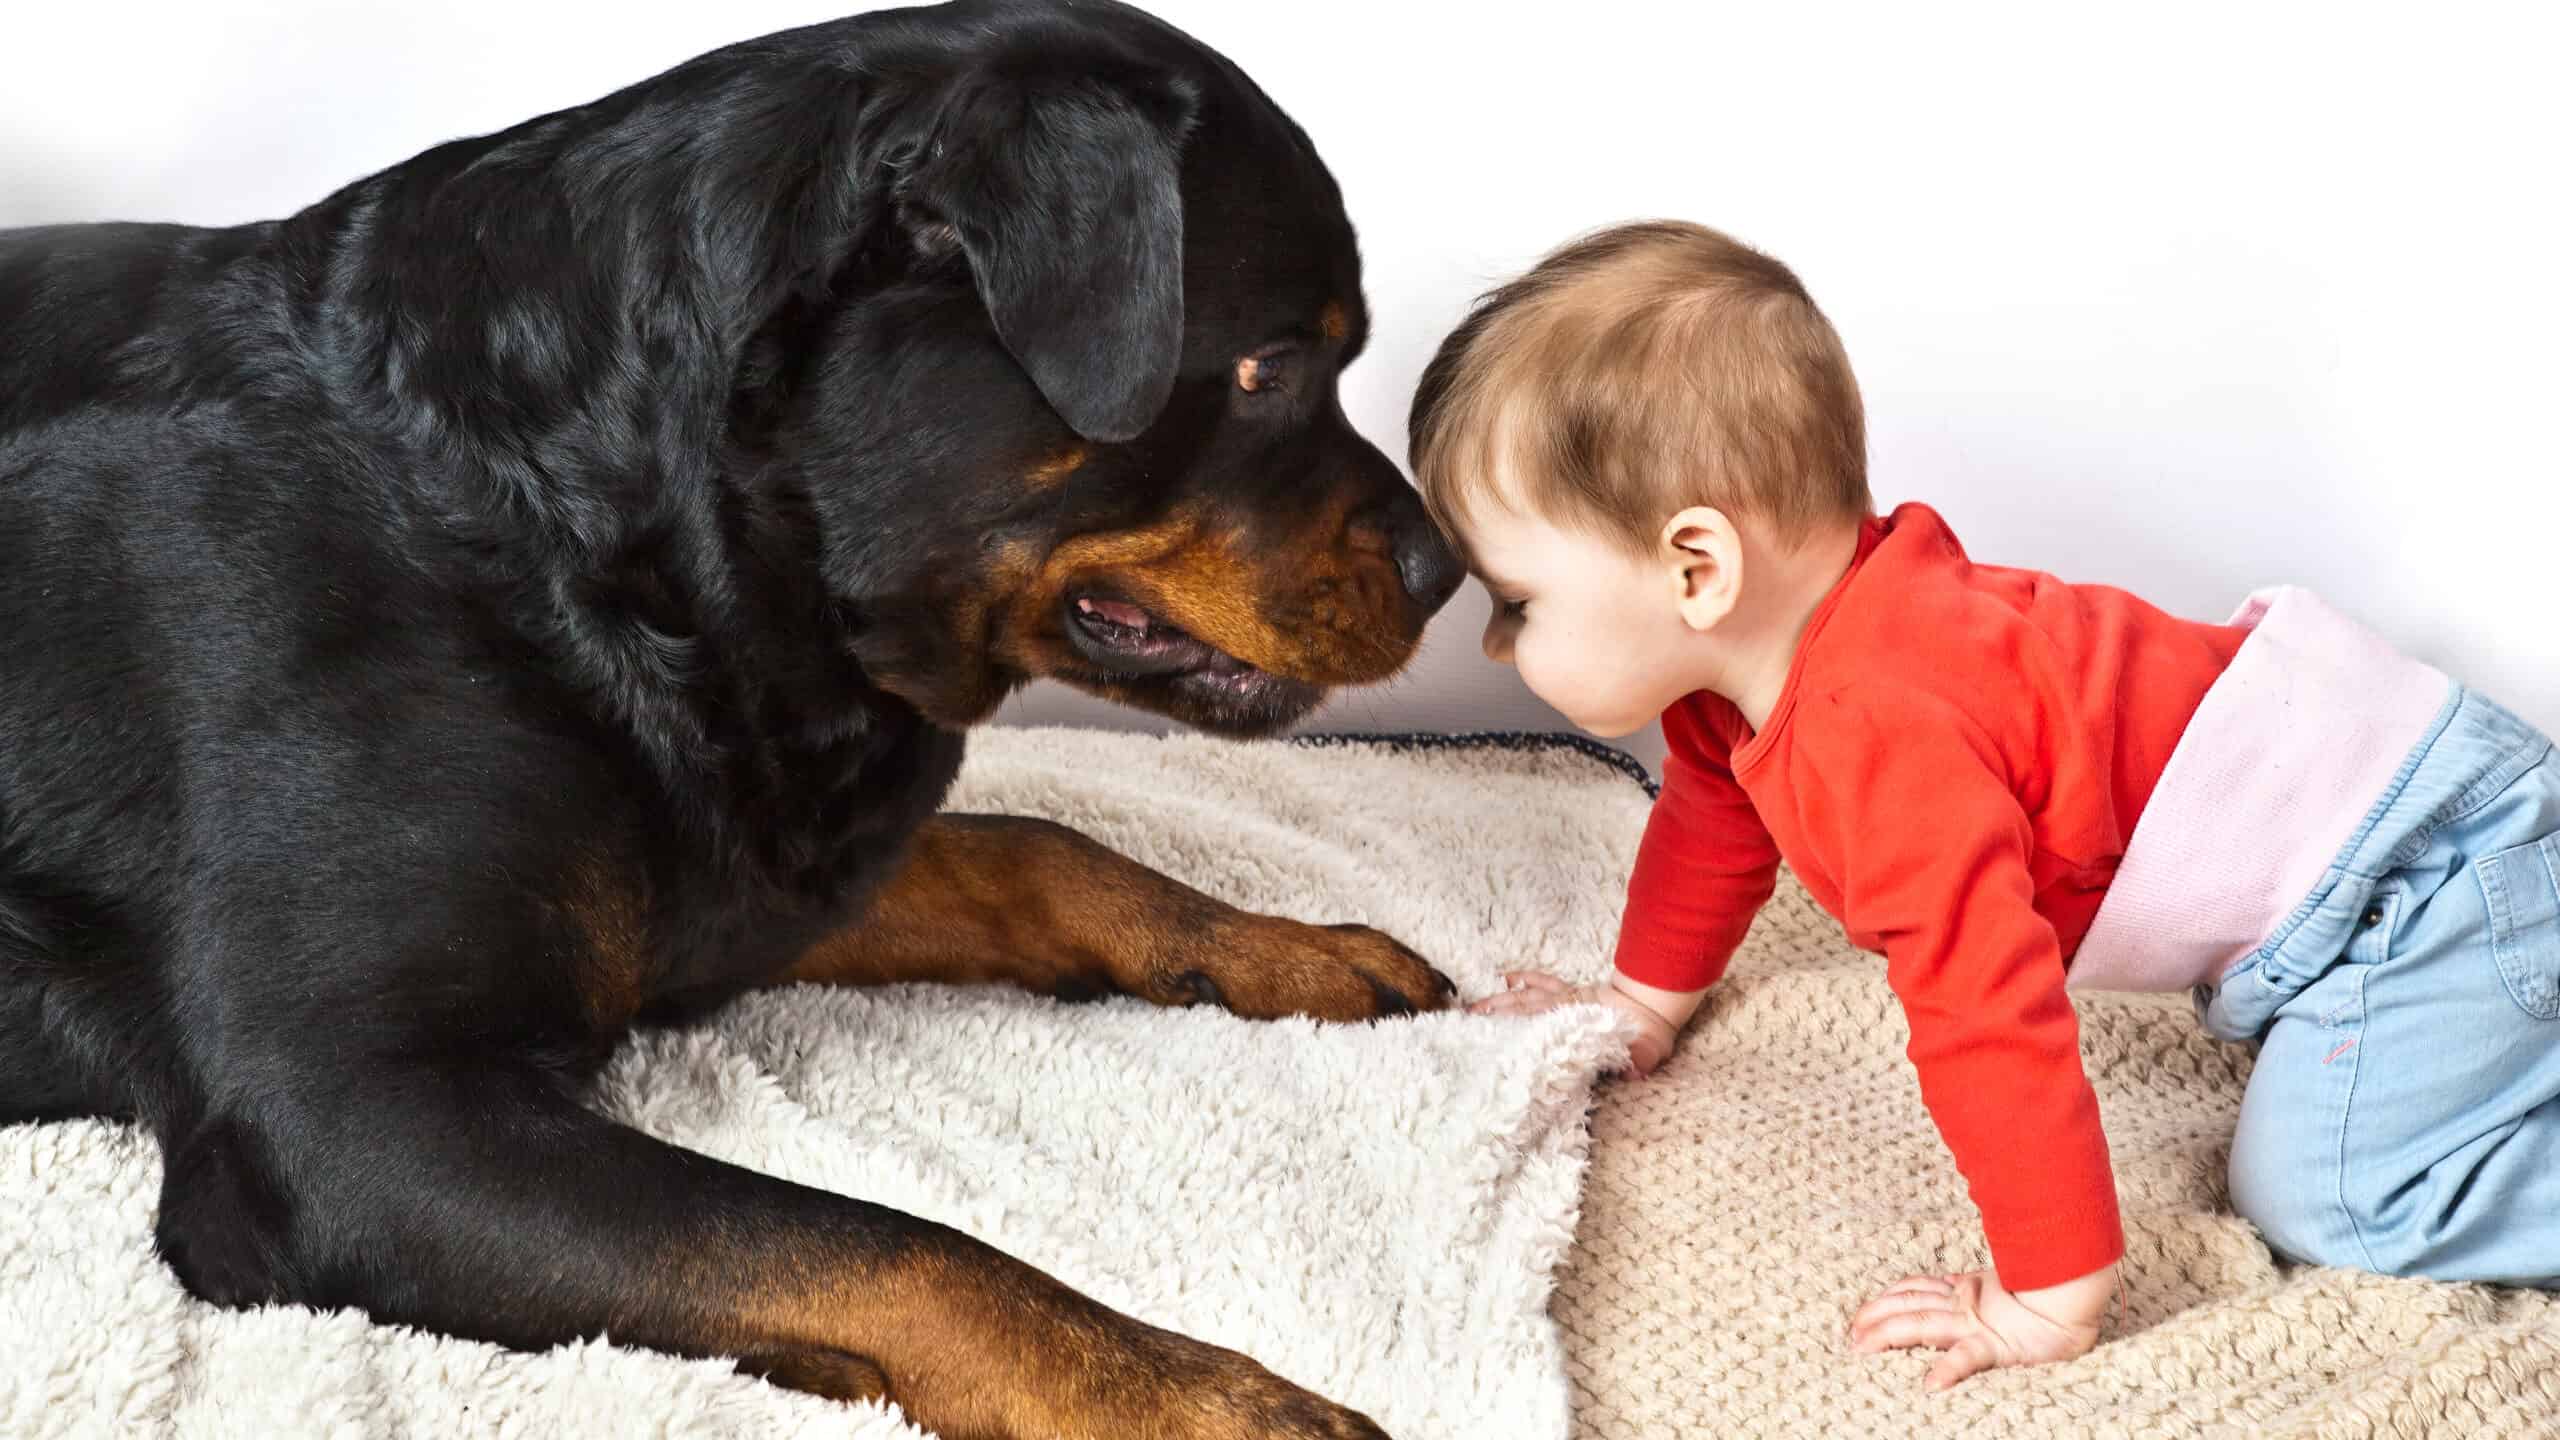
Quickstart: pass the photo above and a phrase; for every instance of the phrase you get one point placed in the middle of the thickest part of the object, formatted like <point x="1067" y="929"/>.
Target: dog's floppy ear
<point x="1065" y="194"/>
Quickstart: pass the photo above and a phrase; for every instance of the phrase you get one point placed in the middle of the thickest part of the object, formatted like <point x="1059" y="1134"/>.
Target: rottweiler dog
<point x="541" y="588"/>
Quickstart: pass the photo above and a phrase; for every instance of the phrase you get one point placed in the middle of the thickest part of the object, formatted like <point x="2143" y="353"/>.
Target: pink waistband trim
<point x="2285" y="757"/>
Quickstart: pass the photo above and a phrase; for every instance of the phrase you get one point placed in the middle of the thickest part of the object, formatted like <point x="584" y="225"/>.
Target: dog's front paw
<point x="1204" y="1392"/>
<point x="1266" y="967"/>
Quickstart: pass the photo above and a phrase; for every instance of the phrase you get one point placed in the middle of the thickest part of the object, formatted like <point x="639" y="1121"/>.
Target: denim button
<point x="2372" y="916"/>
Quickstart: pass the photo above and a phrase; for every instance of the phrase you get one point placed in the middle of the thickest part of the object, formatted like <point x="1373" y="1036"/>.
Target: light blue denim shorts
<point x="2404" y="1115"/>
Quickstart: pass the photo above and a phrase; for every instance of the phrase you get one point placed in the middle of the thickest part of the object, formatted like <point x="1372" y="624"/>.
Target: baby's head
<point x="1616" y="438"/>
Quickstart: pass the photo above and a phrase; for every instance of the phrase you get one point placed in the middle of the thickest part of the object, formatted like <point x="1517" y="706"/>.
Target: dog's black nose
<point x="1429" y="568"/>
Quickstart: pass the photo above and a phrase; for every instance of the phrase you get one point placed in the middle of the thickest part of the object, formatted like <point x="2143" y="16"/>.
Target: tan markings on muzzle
<point x="1197" y="577"/>
<point x="1335" y="321"/>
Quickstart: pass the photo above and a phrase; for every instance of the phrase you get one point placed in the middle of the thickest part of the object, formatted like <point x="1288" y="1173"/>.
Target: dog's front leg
<point x="477" y="1199"/>
<point x="995" y="898"/>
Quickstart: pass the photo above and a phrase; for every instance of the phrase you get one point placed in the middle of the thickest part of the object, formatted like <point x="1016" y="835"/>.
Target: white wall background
<point x="2185" y="297"/>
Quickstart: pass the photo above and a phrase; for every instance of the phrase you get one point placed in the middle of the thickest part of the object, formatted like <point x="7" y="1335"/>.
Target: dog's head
<point x="1070" y="408"/>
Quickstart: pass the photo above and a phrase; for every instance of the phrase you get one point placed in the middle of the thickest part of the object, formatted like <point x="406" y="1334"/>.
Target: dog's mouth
<point x="1129" y="643"/>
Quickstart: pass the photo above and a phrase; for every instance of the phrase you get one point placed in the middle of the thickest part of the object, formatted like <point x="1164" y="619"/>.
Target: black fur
<point x="638" y="488"/>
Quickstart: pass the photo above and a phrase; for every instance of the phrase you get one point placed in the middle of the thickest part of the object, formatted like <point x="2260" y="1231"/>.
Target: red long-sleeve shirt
<point x="1953" y="769"/>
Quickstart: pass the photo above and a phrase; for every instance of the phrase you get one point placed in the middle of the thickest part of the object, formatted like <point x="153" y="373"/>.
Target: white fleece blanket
<point x="1377" y="1212"/>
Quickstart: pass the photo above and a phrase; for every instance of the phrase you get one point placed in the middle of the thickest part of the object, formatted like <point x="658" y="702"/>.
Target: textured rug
<point x="1375" y="1211"/>
<point x="1746" y="1198"/>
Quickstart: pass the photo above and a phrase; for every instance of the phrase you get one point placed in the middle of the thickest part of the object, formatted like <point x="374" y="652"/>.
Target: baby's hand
<point x="1980" y="1325"/>
<point x="1527" y="992"/>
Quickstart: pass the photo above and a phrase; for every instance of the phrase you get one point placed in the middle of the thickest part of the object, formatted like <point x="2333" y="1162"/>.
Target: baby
<point x="1651" y="450"/>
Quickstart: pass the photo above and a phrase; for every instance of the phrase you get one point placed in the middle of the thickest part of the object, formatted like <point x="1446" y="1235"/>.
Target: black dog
<point x="539" y="589"/>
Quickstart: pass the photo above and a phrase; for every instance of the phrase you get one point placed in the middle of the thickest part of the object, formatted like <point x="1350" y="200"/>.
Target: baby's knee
<point x="2285" y="1181"/>
<point x="2484" y="1209"/>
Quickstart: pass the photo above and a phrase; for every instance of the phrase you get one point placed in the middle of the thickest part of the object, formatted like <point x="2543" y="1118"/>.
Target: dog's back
<point x="122" y="316"/>
<point x="95" y="476"/>
<point x="105" y="453"/>
<point x="183" y="496"/>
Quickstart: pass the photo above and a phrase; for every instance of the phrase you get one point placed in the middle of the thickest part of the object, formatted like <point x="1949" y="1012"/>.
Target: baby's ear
<point x="1691" y="529"/>
<point x="1703" y="552"/>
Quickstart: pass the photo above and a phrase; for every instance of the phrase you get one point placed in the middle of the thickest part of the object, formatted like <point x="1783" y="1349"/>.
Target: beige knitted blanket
<point x="1743" y="1201"/>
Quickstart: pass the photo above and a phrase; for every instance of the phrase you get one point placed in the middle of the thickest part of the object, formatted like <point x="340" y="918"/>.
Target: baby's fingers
<point x="1516" y="1002"/>
<point x="1898" y="1302"/>
<point x="1970" y="1356"/>
<point x="1645" y="1053"/>
<point x="1907" y="1319"/>
<point x="1902" y="1330"/>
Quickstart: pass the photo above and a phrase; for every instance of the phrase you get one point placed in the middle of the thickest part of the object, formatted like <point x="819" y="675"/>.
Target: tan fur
<point x="983" y="899"/>
<point x="1052" y="472"/>
<point x="611" y="916"/>
<point x="1343" y="619"/>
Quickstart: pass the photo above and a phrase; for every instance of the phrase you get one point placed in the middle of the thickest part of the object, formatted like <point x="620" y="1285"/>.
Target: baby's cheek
<point x="1607" y="699"/>
<point x="1540" y="671"/>
<point x="1570" y="682"/>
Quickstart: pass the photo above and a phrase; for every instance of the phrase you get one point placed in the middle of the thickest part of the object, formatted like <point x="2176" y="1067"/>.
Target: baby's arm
<point x="1657" y="1013"/>
<point x="1939" y="871"/>
<point x="1704" y="867"/>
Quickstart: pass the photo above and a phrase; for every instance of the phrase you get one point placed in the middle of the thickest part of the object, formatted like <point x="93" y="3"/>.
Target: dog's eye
<point x="1264" y="370"/>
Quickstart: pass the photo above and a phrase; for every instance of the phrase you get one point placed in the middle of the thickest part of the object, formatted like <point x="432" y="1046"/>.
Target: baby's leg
<point x="2405" y="1113"/>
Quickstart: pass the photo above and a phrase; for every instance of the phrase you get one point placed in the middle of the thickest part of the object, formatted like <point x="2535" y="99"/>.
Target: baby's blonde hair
<point x="1634" y="372"/>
